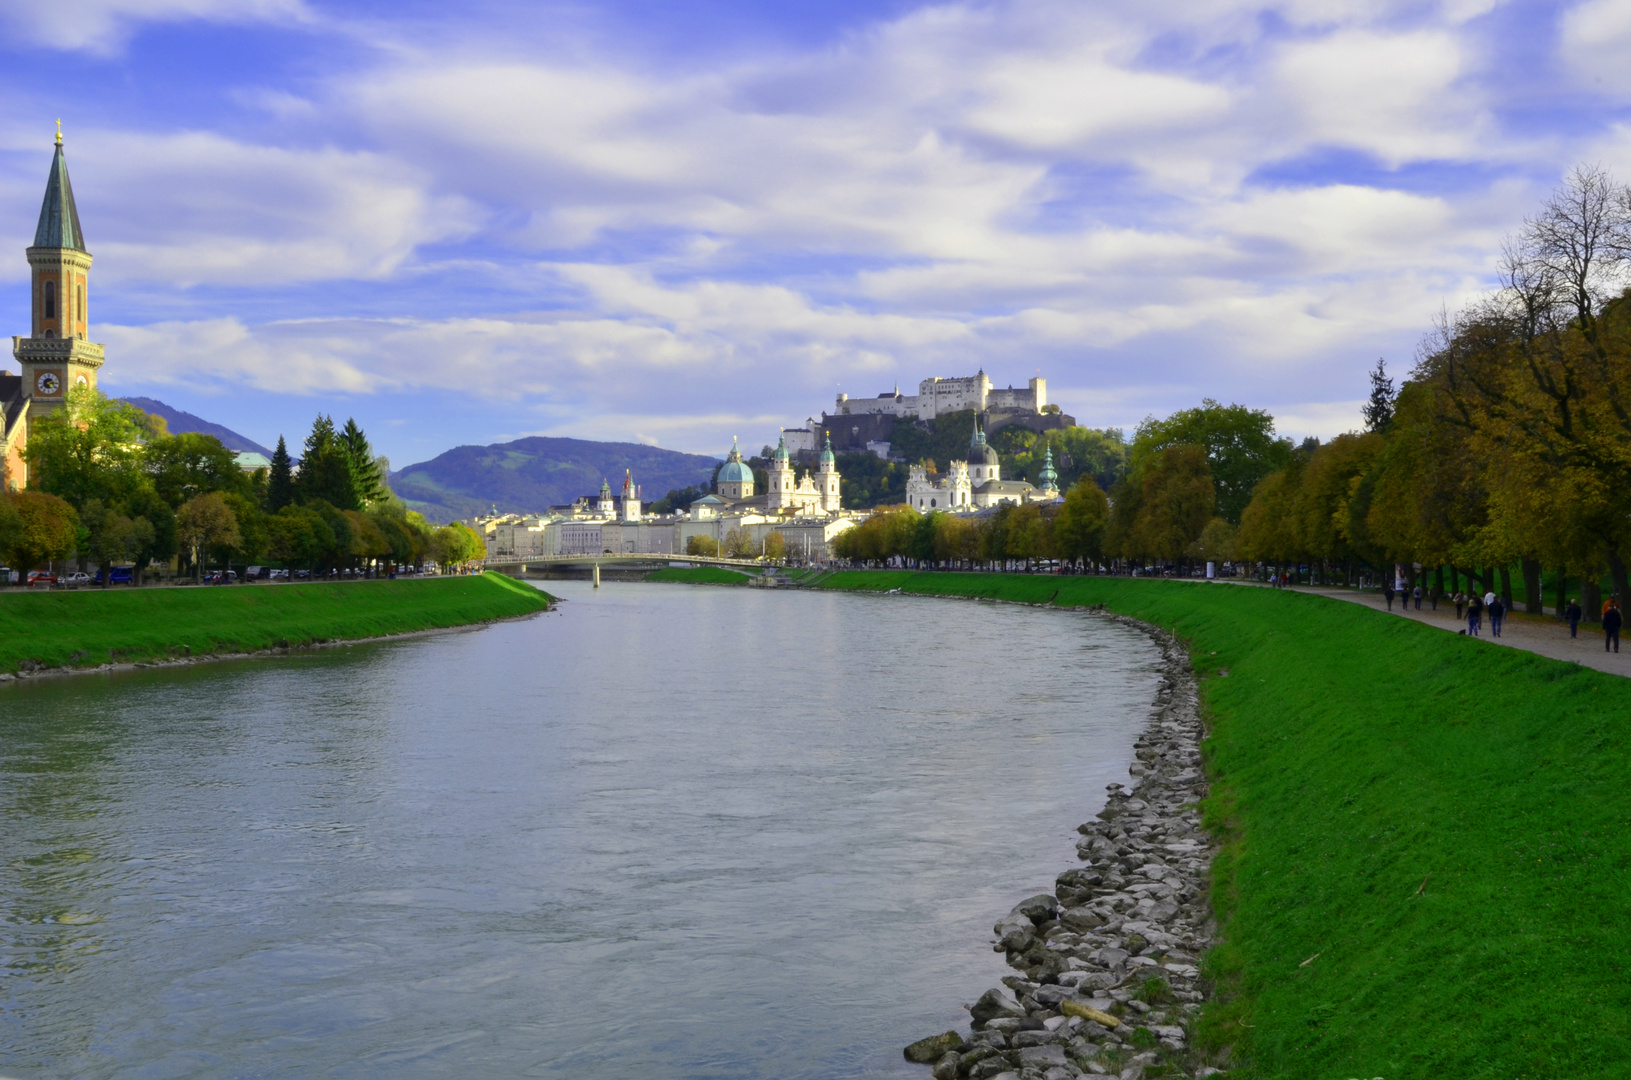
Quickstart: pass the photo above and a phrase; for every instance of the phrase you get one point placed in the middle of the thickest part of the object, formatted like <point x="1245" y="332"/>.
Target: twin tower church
<point x="56" y="356"/>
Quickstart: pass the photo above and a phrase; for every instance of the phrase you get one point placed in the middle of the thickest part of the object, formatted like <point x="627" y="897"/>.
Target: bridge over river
<point x="633" y="561"/>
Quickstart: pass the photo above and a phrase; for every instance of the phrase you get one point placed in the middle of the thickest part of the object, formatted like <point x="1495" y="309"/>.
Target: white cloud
<point x="102" y="26"/>
<point x="1595" y="43"/>
<point x="200" y="209"/>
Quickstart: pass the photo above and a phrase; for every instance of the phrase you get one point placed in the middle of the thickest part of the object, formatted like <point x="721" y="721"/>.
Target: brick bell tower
<point x="56" y="356"/>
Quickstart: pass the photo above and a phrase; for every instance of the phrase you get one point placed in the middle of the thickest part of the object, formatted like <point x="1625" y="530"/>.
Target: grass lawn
<point x="87" y="627"/>
<point x="699" y="575"/>
<point x="1439" y="828"/>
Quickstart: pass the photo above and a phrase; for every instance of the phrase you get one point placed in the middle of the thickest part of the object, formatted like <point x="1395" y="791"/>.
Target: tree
<point x="739" y="544"/>
<point x="773" y="546"/>
<point x="705" y="546"/>
<point x="48" y="529"/>
<point x="280" y="491"/>
<point x="182" y="467"/>
<point x="1178" y="501"/>
<point x="1378" y="410"/>
<point x="1239" y="444"/>
<point x="325" y="468"/>
<point x="203" y="522"/>
<point x="1078" y="528"/>
<point x="457" y="544"/>
<point x="367" y="479"/>
<point x="90" y="449"/>
<point x="155" y="529"/>
<point x="298" y="536"/>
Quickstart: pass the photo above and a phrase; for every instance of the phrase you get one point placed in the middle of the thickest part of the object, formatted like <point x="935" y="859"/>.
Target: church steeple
<point x="56" y="357"/>
<point x="59" y="217"/>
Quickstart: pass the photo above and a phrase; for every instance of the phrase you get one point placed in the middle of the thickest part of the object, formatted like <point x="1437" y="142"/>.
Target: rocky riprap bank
<point x="1108" y="979"/>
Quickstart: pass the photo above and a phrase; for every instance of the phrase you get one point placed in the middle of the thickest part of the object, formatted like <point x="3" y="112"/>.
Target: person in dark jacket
<point x="1416" y="593"/>
<point x="1475" y="615"/>
<point x="1611" y="626"/>
<point x="1572" y="613"/>
<point x="1497" y="612"/>
<point x="1387" y="591"/>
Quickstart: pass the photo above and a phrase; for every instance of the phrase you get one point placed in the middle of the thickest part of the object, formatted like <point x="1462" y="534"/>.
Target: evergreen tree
<point x="366" y="479"/>
<point x="325" y="468"/>
<point x="1379" y="409"/>
<point x="280" y="484"/>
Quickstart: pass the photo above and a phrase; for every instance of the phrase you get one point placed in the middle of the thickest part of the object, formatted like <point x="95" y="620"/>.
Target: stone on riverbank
<point x="930" y="1050"/>
<point x="1115" y="947"/>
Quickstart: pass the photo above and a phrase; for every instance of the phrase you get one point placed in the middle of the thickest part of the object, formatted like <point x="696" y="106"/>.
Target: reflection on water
<point x="666" y="831"/>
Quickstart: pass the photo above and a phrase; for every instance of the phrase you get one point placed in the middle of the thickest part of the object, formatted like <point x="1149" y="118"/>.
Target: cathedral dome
<point x="826" y="451"/>
<point x="735" y="470"/>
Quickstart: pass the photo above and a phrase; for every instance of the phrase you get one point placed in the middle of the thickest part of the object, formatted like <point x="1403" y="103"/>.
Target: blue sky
<point x="678" y="223"/>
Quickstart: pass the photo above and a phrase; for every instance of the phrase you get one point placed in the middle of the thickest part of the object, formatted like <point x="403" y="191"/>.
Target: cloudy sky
<point x="673" y="223"/>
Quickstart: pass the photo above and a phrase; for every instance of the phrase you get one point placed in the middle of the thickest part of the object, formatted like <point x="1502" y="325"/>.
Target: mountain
<point x="183" y="422"/>
<point x="529" y="475"/>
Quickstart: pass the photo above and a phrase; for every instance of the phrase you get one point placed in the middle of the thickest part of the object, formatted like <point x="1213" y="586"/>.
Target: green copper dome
<point x="735" y="470"/>
<point x="780" y="457"/>
<point x="826" y="450"/>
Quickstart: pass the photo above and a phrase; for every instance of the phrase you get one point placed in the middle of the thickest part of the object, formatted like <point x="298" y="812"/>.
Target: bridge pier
<point x="597" y="575"/>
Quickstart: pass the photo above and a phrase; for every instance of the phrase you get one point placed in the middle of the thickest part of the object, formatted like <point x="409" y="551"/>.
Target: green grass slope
<point x="1439" y="828"/>
<point x="87" y="627"/>
<point x="698" y="575"/>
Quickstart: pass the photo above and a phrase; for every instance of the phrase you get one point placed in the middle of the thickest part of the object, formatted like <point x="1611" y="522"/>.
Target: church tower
<point x="56" y="357"/>
<point x="827" y="478"/>
<point x="781" y="483"/>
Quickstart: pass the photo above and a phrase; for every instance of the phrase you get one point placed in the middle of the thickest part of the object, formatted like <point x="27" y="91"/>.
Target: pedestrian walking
<point x="1460" y="599"/>
<point x="1489" y="598"/>
<point x="1387" y="591"/>
<point x="1475" y="612"/>
<point x="1433" y="597"/>
<point x="1572" y="613"/>
<point x="1611" y="626"/>
<point x="1417" y="595"/>
<point x="1497" y="612"/>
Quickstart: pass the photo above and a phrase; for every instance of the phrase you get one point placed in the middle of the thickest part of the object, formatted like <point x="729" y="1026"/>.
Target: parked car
<point x="277" y="575"/>
<point x="122" y="575"/>
<point x="302" y="575"/>
<point x="77" y="578"/>
<point x="41" y="577"/>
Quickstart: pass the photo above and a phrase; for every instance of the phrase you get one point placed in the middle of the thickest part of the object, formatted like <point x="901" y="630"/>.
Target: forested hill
<point x="529" y="475"/>
<point x="181" y="422"/>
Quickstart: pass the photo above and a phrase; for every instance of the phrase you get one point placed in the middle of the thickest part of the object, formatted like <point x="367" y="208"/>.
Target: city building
<point x="976" y="483"/>
<point x="56" y="357"/>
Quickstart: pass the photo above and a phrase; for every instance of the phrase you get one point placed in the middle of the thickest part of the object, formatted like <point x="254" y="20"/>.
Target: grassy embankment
<point x="1439" y="829"/>
<point x="698" y="575"/>
<point x="88" y="627"/>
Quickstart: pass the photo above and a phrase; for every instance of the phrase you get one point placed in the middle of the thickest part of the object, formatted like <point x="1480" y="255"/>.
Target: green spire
<point x="781" y="449"/>
<point x="1048" y="478"/>
<point x="826" y="451"/>
<point x="59" y="217"/>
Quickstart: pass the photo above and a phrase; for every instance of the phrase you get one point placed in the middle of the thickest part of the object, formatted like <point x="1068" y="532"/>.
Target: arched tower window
<point x="48" y="298"/>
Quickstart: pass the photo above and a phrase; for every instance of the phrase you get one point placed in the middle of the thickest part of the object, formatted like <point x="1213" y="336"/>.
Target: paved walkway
<point x="1540" y="634"/>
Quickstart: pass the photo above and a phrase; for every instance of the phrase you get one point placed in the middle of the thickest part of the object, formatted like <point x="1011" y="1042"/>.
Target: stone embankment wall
<point x="1108" y="978"/>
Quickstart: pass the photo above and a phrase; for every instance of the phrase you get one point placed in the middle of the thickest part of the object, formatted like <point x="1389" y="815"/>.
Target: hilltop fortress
<point x="868" y="423"/>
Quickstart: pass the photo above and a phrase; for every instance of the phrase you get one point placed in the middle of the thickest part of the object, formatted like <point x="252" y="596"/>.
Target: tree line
<point x="110" y="485"/>
<point x="1507" y="448"/>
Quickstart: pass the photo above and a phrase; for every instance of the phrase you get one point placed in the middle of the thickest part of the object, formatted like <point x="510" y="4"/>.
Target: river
<point x="665" y="831"/>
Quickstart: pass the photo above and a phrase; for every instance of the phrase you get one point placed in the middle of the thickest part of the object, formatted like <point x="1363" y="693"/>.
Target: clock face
<point x="48" y="382"/>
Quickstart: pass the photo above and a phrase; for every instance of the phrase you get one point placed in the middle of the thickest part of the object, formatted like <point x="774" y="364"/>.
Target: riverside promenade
<point x="1540" y="634"/>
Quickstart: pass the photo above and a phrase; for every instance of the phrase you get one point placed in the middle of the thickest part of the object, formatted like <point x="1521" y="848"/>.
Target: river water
<point x="666" y="831"/>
